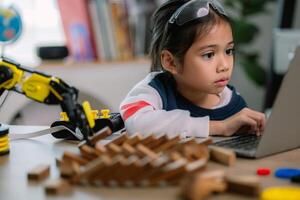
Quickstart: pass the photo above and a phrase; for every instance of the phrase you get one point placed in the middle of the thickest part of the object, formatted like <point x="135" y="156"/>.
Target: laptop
<point x="282" y="131"/>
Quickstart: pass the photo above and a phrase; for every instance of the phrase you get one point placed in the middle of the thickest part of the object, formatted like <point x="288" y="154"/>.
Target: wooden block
<point x="145" y="151"/>
<point x="118" y="170"/>
<point x="196" y="165"/>
<point x="69" y="168"/>
<point x="194" y="152"/>
<point x="119" y="140"/>
<point x="174" y="155"/>
<point x="57" y="187"/>
<point x="92" y="168"/>
<point x="168" y="144"/>
<point x="128" y="150"/>
<point x="39" y="172"/>
<point x="247" y="185"/>
<point x="148" y="139"/>
<point x="158" y="141"/>
<point x="134" y="139"/>
<point x="73" y="157"/>
<point x="134" y="168"/>
<point x="103" y="133"/>
<point x="89" y="152"/>
<point x="151" y="168"/>
<point x="100" y="148"/>
<point x="110" y="170"/>
<point x="170" y="171"/>
<point x="202" y="185"/>
<point x="114" y="149"/>
<point x="205" y="141"/>
<point x="222" y="155"/>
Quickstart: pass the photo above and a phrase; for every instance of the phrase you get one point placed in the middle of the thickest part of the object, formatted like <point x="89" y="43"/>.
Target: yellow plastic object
<point x="64" y="117"/>
<point x="105" y="114"/>
<point x="4" y="144"/>
<point x="90" y="115"/>
<point x="280" y="193"/>
<point x="95" y="114"/>
<point x="38" y="87"/>
<point x="17" y="75"/>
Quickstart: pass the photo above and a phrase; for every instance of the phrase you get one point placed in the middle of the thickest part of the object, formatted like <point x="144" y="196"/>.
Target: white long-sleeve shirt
<point x="153" y="106"/>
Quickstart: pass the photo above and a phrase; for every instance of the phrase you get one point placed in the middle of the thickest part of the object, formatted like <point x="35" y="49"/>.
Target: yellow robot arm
<point x="49" y="90"/>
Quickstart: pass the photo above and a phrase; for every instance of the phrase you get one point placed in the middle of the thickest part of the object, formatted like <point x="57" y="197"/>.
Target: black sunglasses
<point x="195" y="9"/>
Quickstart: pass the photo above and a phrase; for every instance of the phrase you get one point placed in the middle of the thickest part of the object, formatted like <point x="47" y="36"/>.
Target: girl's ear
<point x="168" y="62"/>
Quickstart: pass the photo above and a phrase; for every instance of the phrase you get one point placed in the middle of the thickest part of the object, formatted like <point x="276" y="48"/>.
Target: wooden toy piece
<point x="117" y="171"/>
<point x="118" y="140"/>
<point x="57" y="187"/>
<point x="247" y="185"/>
<point x="100" y="148"/>
<point x="157" y="141"/>
<point x="69" y="168"/>
<point x="39" y="172"/>
<point x="201" y="185"/>
<point x="196" y="166"/>
<point x="108" y="171"/>
<point x="168" y="144"/>
<point x="170" y="171"/>
<point x="145" y="151"/>
<point x="181" y="145"/>
<point x="147" y="140"/>
<point x="140" y="168"/>
<point x="134" y="139"/>
<point x="73" y="157"/>
<point x="128" y="150"/>
<point x="89" y="152"/>
<point x="92" y="168"/>
<point x="134" y="168"/>
<point x="114" y="149"/>
<point x="222" y="155"/>
<point x="151" y="168"/>
<point x="174" y="155"/>
<point x="103" y="133"/>
<point x="205" y="141"/>
<point x="195" y="151"/>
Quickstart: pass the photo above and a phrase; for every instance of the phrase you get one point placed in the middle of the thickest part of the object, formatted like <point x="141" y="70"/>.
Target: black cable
<point x="5" y="94"/>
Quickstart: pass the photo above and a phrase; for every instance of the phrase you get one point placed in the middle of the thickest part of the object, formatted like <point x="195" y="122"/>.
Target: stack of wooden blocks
<point x="136" y="160"/>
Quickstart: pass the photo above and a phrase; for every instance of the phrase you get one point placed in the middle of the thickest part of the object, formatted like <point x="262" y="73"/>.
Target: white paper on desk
<point x="16" y="136"/>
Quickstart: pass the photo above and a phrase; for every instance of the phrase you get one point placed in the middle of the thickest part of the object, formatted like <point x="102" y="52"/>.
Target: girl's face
<point x="208" y="63"/>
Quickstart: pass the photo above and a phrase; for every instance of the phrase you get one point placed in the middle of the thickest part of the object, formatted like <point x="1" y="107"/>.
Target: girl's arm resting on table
<point x="142" y="112"/>
<point x="147" y="120"/>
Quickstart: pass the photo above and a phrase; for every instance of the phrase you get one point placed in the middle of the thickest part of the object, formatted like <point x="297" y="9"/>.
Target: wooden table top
<point x="26" y="154"/>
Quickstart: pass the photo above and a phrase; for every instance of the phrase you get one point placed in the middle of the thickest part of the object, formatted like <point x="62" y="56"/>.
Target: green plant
<point x="245" y="32"/>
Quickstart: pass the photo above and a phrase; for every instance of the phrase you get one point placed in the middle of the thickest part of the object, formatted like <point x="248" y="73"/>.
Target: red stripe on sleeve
<point x="132" y="108"/>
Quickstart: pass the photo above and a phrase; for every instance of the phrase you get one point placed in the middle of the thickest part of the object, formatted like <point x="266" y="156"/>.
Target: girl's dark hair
<point x="177" y="40"/>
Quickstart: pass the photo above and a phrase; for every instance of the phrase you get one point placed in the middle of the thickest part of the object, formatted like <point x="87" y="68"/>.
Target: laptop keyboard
<point x="243" y="142"/>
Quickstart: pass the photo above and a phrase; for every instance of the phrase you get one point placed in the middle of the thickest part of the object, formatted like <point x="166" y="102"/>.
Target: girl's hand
<point x="246" y="120"/>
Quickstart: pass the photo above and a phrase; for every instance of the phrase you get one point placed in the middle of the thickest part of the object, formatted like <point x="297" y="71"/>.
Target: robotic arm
<point x="49" y="90"/>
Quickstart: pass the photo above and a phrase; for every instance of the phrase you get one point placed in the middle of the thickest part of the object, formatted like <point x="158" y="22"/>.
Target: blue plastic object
<point x="287" y="173"/>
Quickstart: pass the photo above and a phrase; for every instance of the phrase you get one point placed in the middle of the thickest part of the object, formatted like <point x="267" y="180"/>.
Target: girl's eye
<point x="208" y="55"/>
<point x="230" y="52"/>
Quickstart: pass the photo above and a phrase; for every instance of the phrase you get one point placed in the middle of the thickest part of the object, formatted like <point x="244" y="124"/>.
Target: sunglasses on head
<point x="195" y="9"/>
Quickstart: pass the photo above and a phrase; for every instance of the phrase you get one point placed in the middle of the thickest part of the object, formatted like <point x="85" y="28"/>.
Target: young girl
<point x="192" y="51"/>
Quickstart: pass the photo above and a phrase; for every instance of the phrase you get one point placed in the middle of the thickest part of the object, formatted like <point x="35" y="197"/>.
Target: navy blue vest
<point x="165" y="84"/>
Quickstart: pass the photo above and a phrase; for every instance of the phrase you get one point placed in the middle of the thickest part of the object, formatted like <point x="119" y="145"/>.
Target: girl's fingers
<point x="259" y="118"/>
<point x="248" y="121"/>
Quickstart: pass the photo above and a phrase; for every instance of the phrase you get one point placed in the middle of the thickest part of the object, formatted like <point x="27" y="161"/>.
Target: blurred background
<point x="101" y="46"/>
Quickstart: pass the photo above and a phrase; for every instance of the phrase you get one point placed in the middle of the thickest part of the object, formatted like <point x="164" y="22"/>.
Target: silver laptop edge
<point x="282" y="130"/>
